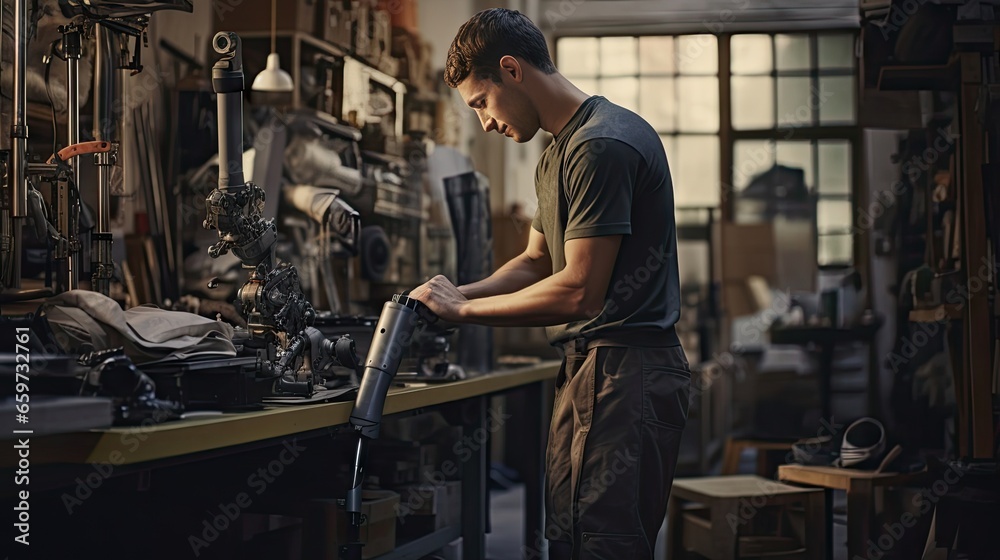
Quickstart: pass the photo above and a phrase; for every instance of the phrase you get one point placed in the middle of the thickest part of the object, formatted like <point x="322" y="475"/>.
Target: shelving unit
<point x="300" y="44"/>
<point x="968" y="322"/>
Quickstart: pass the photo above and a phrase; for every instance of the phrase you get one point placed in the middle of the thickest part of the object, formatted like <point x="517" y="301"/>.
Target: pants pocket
<point x="609" y="546"/>
<point x="666" y="395"/>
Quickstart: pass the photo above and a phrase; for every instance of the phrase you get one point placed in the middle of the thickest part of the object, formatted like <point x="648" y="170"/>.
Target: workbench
<point x="194" y="455"/>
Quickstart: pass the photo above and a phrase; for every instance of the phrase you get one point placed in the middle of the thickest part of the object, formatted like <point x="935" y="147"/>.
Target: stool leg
<point x="859" y="517"/>
<point x="763" y="462"/>
<point x="731" y="456"/>
<point x="828" y="521"/>
<point x="817" y="528"/>
<point x="726" y="538"/>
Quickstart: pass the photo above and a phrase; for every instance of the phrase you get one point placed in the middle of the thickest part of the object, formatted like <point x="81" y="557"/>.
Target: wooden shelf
<point x="946" y="312"/>
<point x="419" y="548"/>
<point x="936" y="77"/>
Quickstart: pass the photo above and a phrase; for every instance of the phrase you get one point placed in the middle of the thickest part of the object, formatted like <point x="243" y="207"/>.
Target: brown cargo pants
<point x="613" y="444"/>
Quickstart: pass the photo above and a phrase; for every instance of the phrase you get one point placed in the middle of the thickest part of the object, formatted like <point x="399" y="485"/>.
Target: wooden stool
<point x="734" y="449"/>
<point x="729" y="503"/>
<point x="860" y="487"/>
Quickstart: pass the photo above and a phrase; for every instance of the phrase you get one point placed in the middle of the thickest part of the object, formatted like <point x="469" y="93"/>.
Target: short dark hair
<point x="490" y="35"/>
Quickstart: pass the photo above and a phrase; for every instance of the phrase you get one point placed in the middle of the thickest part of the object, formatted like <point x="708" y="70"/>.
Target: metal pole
<point x="18" y="187"/>
<point x="107" y="85"/>
<point x="73" y="51"/>
<point x="19" y="130"/>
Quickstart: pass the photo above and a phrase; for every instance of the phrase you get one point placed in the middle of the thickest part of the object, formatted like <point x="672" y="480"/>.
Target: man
<point x="600" y="272"/>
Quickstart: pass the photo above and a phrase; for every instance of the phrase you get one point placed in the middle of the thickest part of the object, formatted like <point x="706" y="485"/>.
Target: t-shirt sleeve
<point x="601" y="177"/>
<point x="537" y="222"/>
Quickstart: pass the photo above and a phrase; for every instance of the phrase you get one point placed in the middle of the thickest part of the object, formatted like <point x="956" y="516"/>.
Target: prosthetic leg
<point x="398" y="322"/>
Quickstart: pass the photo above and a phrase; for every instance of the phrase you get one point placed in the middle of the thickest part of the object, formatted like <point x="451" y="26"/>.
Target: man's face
<point x="502" y="107"/>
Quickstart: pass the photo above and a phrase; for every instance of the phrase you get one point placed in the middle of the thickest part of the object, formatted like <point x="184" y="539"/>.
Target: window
<point x="654" y="76"/>
<point x="792" y="108"/>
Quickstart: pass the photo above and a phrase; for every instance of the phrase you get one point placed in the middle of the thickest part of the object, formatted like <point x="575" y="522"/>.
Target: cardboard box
<point x="422" y="454"/>
<point x="426" y="508"/>
<point x="378" y="532"/>
<point x="390" y="472"/>
<point x="417" y="427"/>
<point x="431" y="499"/>
<point x="338" y="21"/>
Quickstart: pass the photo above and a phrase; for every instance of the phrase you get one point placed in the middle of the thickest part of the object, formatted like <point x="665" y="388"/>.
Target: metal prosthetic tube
<point x="227" y="80"/>
<point x="393" y="333"/>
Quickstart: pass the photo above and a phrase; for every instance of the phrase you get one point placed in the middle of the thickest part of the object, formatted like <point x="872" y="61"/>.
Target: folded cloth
<point x="148" y="333"/>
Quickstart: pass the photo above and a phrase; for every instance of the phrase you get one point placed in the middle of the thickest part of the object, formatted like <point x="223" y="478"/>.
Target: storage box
<point x="410" y="451"/>
<point x="338" y="21"/>
<point x="390" y="472"/>
<point x="378" y="532"/>
<point x="357" y="26"/>
<point x="425" y="508"/>
<point x="255" y="15"/>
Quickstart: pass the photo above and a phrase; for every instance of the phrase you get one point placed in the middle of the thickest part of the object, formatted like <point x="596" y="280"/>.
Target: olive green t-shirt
<point x="606" y="173"/>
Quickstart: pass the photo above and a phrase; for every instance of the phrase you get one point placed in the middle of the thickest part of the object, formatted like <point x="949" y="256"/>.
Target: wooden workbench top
<point x="130" y="445"/>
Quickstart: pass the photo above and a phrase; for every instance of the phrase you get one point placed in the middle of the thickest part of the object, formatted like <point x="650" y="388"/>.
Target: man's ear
<point x="512" y="68"/>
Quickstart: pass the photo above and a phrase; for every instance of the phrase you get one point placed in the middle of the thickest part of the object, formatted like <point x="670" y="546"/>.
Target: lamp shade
<point x="273" y="78"/>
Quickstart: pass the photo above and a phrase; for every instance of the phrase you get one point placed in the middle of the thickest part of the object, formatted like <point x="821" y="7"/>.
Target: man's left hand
<point x="441" y="297"/>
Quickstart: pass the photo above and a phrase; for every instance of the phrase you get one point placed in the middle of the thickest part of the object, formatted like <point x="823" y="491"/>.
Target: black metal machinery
<point x="279" y="317"/>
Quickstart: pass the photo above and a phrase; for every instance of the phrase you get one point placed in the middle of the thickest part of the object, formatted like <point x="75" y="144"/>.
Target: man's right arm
<point x="531" y="266"/>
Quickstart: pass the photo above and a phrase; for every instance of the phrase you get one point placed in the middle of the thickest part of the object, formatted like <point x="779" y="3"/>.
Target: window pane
<point x="696" y="171"/>
<point x="656" y="55"/>
<point x="752" y="102"/>
<point x="834" y="249"/>
<point x="792" y="52"/>
<point x="619" y="56"/>
<point x="698" y="99"/>
<point x="836" y="100"/>
<point x="833" y="216"/>
<point x="587" y="85"/>
<point x="794" y="104"/>
<point x="750" y="158"/>
<point x="692" y="263"/>
<point x="836" y="51"/>
<point x="656" y="103"/>
<point x="750" y="54"/>
<point x="797" y="154"/>
<point x="834" y="167"/>
<point x="577" y="56"/>
<point x="698" y="54"/>
<point x="670" y="146"/>
<point x="623" y="91"/>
